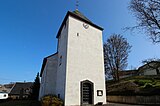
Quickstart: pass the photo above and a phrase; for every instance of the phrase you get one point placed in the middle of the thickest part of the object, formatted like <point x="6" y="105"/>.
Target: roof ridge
<point x="78" y="15"/>
<point x="81" y="15"/>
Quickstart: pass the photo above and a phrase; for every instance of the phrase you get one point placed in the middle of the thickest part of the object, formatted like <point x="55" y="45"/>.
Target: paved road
<point x="118" y="104"/>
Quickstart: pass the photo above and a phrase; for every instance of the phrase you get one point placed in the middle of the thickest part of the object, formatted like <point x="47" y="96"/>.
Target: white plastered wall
<point x="62" y="52"/>
<point x="84" y="61"/>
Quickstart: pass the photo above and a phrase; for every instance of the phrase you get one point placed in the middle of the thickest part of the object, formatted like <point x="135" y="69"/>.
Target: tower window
<point x="58" y="95"/>
<point x="77" y="34"/>
<point x="60" y="60"/>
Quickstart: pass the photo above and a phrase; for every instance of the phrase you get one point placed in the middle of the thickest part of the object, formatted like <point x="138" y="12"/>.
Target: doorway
<point x="86" y="92"/>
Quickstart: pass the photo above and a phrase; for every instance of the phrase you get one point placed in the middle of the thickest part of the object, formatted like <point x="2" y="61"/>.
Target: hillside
<point x="137" y="85"/>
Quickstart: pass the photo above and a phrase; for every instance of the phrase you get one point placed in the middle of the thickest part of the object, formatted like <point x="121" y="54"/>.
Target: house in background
<point x="9" y="86"/>
<point x="4" y="89"/>
<point x="4" y="92"/>
<point x="150" y="68"/>
<point x="21" y="90"/>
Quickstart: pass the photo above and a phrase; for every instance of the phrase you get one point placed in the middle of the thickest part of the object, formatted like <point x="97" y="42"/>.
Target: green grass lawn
<point x="21" y="103"/>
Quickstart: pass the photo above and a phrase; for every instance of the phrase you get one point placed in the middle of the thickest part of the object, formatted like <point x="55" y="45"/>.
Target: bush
<point x="51" y="100"/>
<point x="139" y="82"/>
<point x="142" y="82"/>
<point x="148" y="85"/>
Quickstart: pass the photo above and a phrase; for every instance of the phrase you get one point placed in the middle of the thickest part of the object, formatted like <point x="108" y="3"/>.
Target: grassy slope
<point x="137" y="85"/>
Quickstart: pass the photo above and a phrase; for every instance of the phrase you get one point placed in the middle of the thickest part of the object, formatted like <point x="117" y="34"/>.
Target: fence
<point x="134" y="99"/>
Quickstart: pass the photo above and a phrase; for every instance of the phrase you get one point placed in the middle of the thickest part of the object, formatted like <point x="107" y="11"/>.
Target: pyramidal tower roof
<point x="78" y="15"/>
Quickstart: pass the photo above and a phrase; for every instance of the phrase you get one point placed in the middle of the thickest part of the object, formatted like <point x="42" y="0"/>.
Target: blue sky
<point x="28" y="31"/>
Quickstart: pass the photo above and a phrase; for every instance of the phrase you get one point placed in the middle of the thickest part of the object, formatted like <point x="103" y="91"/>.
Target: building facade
<point x="76" y="72"/>
<point x="21" y="90"/>
<point x="150" y="68"/>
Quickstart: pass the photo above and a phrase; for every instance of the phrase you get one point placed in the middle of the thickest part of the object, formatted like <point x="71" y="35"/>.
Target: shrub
<point x="157" y="85"/>
<point x="148" y="85"/>
<point x="142" y="82"/>
<point x="139" y="82"/>
<point x="51" y="100"/>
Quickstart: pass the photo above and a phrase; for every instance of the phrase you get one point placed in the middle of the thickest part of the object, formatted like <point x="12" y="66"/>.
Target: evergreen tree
<point x="35" y="88"/>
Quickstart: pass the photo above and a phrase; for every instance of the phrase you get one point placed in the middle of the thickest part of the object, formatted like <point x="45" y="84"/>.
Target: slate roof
<point x="78" y="15"/>
<point x="19" y="86"/>
<point x="148" y="65"/>
<point x="44" y="63"/>
<point x="3" y="89"/>
<point x="9" y="86"/>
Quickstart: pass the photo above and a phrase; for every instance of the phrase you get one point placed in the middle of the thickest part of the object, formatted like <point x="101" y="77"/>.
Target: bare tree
<point x="147" y="13"/>
<point x="153" y="64"/>
<point x="116" y="50"/>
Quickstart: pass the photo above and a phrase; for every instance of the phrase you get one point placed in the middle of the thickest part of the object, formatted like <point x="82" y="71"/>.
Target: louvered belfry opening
<point x="86" y="92"/>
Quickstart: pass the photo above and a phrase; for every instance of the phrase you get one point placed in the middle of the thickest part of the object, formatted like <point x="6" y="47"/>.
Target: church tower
<point x="79" y="74"/>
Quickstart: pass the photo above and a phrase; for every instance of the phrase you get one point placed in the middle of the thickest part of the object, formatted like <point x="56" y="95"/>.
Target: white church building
<point x="75" y="73"/>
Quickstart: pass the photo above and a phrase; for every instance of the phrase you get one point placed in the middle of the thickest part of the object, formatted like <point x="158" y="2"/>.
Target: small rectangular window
<point x="58" y="95"/>
<point x="77" y="34"/>
<point x="60" y="60"/>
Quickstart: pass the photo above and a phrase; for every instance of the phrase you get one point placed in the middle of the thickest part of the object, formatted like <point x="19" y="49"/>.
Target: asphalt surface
<point x="118" y="104"/>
